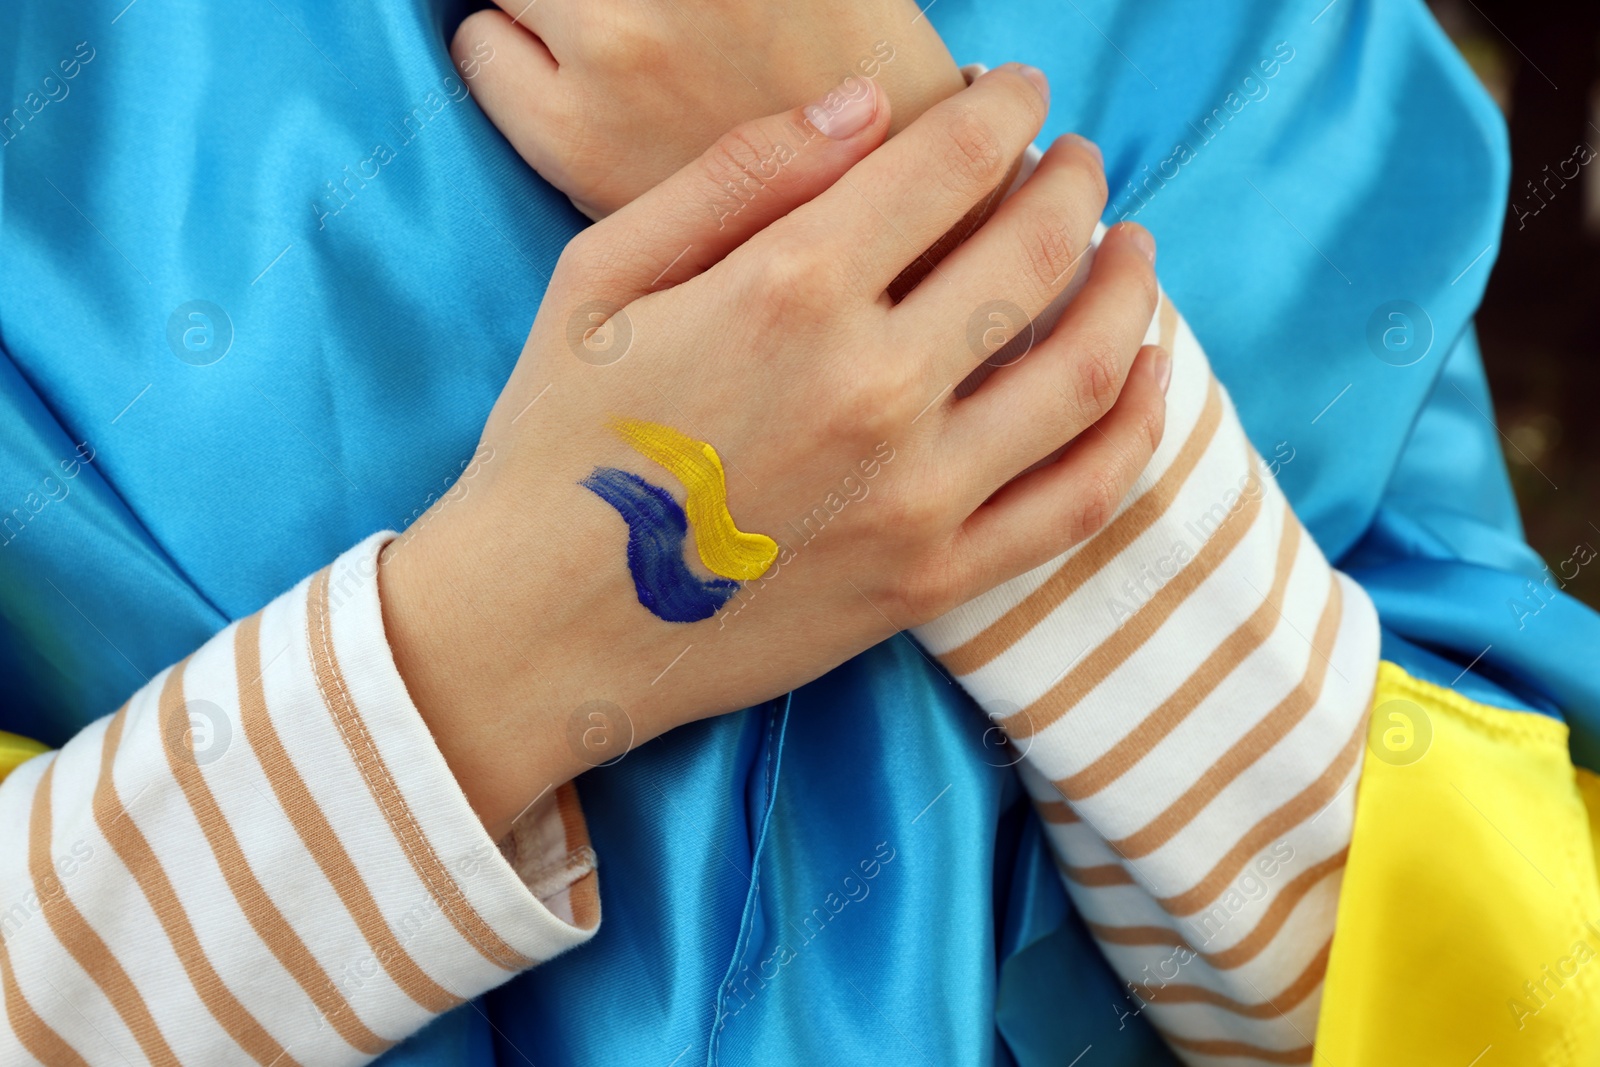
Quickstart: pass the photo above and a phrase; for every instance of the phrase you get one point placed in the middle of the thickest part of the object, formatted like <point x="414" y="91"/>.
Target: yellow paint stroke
<point x="724" y="548"/>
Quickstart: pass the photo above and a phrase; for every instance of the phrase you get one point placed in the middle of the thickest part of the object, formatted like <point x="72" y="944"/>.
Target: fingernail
<point x="1163" y="368"/>
<point x="1142" y="241"/>
<point x="1040" y="82"/>
<point x="1088" y="146"/>
<point x="846" y="111"/>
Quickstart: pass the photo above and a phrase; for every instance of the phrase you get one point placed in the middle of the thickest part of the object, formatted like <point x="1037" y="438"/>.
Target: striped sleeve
<point x="263" y="858"/>
<point x="1187" y="692"/>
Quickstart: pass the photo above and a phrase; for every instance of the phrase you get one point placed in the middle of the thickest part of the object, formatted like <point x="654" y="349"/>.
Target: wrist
<point x="469" y="668"/>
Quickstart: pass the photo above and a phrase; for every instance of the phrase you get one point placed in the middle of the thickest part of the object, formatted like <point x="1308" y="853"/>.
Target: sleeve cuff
<point x="514" y="903"/>
<point x="265" y="851"/>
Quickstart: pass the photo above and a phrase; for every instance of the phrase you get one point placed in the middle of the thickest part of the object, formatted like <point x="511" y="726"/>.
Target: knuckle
<point x="1152" y="424"/>
<point x="738" y="157"/>
<point x="793" y="279"/>
<point x="594" y="259"/>
<point x="597" y="264"/>
<point x="1097" y="374"/>
<point x="625" y="44"/>
<point x="782" y="268"/>
<point x="1095" y="505"/>
<point x="578" y="262"/>
<point x="925" y="592"/>
<point x="1051" y="250"/>
<point x="976" y="158"/>
<point x="876" y="408"/>
<point x="911" y="518"/>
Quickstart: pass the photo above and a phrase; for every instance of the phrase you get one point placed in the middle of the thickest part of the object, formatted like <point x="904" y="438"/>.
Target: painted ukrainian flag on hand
<point x="657" y="526"/>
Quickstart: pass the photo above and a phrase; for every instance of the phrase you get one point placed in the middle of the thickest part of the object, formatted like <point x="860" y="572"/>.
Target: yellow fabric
<point x="1589" y="789"/>
<point x="15" y="751"/>
<point x="1469" y="919"/>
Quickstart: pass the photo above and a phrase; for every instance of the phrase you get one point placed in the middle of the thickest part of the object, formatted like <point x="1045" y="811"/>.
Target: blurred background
<point x="1540" y="322"/>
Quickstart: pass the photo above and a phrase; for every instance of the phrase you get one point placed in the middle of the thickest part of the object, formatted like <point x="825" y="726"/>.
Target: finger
<point x="513" y="77"/>
<point x="754" y="174"/>
<point x="1069" y="380"/>
<point x="1016" y="265"/>
<point x="899" y="201"/>
<point x="539" y="18"/>
<point x="1046" y="511"/>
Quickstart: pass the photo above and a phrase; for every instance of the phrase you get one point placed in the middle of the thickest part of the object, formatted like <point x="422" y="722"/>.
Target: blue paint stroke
<point x="657" y="529"/>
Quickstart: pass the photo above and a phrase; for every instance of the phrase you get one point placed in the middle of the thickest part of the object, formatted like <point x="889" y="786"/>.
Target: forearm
<point x="280" y="764"/>
<point x="1187" y="693"/>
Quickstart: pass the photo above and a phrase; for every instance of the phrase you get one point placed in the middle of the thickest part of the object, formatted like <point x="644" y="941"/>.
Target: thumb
<point x="755" y="174"/>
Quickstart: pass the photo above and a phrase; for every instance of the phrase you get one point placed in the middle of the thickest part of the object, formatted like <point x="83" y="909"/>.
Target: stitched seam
<point x="1502" y="722"/>
<point x="582" y="856"/>
<point x="449" y="896"/>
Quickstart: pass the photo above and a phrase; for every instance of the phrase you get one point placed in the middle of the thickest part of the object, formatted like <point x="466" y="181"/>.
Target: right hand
<point x="609" y="103"/>
<point x="771" y="338"/>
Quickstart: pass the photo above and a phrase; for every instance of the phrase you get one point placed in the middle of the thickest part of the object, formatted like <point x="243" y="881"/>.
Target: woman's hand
<point x="608" y="100"/>
<point x="764" y="330"/>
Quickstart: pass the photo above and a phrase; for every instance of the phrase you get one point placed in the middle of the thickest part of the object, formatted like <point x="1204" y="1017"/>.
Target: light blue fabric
<point x="191" y="160"/>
